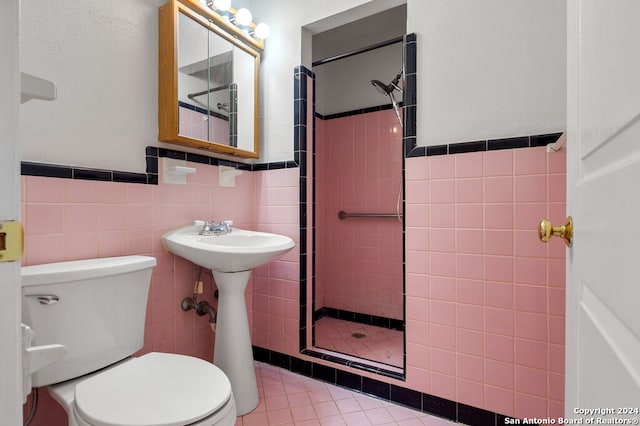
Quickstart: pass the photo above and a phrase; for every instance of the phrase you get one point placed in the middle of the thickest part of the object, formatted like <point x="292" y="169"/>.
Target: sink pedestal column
<point x="233" y="352"/>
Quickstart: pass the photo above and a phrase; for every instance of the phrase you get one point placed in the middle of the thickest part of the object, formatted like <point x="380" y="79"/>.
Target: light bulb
<point x="243" y="17"/>
<point x="262" y="30"/>
<point x="222" y="5"/>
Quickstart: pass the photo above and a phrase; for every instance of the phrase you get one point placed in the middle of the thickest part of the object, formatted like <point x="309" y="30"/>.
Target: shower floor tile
<point x="377" y="344"/>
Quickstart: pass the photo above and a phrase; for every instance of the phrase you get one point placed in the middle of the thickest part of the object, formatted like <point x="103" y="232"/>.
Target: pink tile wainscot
<point x="506" y="345"/>
<point x="509" y="339"/>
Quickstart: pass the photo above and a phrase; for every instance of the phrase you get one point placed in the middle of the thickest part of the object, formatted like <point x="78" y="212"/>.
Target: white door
<point x="10" y="367"/>
<point x="603" y="196"/>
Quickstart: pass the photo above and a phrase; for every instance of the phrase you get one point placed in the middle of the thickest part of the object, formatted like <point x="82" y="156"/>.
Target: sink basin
<point x="231" y="258"/>
<point x="241" y="250"/>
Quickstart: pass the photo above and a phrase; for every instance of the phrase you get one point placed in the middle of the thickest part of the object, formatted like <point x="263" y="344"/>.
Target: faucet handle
<point x="227" y="225"/>
<point x="208" y="224"/>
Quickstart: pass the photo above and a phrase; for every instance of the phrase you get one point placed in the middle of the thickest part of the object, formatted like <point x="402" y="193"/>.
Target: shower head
<point x="223" y="106"/>
<point x="387" y="89"/>
<point x="381" y="87"/>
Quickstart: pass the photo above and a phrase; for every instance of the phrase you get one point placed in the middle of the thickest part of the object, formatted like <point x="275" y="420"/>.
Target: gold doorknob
<point x="546" y="230"/>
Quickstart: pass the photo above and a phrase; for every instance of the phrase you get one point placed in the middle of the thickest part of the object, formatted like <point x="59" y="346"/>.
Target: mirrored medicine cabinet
<point x="208" y="81"/>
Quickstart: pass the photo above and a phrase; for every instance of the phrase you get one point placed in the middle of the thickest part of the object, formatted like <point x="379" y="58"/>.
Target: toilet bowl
<point x="156" y="389"/>
<point x="96" y="308"/>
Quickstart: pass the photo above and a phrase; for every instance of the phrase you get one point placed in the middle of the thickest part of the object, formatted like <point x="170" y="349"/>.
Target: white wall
<point x="494" y="68"/>
<point x="283" y="53"/>
<point x="345" y="84"/>
<point x="103" y="55"/>
<point x="487" y="69"/>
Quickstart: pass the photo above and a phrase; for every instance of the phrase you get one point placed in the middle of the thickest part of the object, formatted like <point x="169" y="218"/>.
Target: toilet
<point x="96" y="308"/>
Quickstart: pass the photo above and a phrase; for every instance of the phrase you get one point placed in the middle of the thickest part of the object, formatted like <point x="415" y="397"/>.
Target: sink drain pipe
<point x="202" y="307"/>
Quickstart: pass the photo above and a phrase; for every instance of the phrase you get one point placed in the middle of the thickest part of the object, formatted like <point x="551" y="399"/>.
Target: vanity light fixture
<point x="242" y="18"/>
<point x="262" y="31"/>
<point x="221" y="5"/>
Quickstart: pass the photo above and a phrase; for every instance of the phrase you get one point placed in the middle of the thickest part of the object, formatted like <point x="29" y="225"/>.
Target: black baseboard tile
<point x="261" y="354"/>
<point x="301" y="366"/>
<point x="429" y="404"/>
<point x="281" y="360"/>
<point x="469" y="415"/>
<point x="408" y="397"/>
<point x="324" y="373"/>
<point x="376" y="388"/>
<point x="349" y="380"/>
<point x="439" y="406"/>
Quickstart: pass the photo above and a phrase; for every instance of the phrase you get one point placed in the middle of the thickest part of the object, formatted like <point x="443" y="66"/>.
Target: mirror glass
<point x="208" y="84"/>
<point x="205" y="78"/>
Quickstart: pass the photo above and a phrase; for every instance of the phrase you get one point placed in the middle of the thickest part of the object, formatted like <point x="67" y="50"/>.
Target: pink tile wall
<point x="478" y="328"/>
<point x="359" y="260"/>
<point x="485" y="298"/>
<point x="79" y="219"/>
<point x="276" y="286"/>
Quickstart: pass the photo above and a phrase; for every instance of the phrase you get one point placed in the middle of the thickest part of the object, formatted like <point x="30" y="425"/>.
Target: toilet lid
<point x="156" y="389"/>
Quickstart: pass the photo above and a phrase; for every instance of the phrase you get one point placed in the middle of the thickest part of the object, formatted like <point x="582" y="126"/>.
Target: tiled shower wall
<point x="359" y="170"/>
<point x="485" y="298"/>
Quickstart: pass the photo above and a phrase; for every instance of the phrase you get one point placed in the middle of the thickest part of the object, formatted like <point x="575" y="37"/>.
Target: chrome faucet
<point x="213" y="228"/>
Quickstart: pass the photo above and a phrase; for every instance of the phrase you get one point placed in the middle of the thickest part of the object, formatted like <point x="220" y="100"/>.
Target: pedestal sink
<point x="231" y="258"/>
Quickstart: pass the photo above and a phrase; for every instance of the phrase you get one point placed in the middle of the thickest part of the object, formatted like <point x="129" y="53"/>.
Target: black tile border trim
<point x="531" y="141"/>
<point x="360" y="318"/>
<point x="154" y="152"/>
<point x="28" y="168"/>
<point x="426" y="403"/>
<point x="300" y="147"/>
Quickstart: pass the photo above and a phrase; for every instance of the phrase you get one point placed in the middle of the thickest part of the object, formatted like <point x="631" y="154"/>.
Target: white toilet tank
<point x="96" y="308"/>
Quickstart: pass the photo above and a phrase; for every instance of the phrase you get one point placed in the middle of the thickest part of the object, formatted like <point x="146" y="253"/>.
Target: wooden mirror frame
<point x="168" y="111"/>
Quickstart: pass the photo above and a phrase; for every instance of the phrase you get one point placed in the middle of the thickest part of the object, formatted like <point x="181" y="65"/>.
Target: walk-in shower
<point x="388" y="89"/>
<point x="357" y="310"/>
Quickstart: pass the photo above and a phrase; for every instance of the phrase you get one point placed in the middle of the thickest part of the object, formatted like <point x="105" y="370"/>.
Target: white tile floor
<point x="287" y="398"/>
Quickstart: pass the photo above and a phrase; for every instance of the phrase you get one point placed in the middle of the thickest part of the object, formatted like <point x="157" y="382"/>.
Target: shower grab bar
<point x="343" y="215"/>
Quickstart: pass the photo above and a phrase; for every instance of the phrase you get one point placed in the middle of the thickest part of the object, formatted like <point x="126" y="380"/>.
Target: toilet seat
<point x="156" y="389"/>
